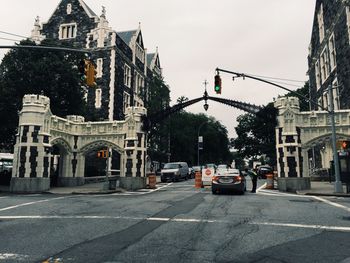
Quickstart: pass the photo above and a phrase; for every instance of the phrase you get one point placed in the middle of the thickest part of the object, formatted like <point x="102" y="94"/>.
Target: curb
<point x="324" y="194"/>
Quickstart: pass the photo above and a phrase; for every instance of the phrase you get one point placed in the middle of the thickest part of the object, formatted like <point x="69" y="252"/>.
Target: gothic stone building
<point x="329" y="53"/>
<point x="329" y="67"/>
<point x="122" y="63"/>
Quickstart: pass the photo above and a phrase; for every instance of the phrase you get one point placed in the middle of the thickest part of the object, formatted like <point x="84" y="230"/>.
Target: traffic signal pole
<point x="338" y="188"/>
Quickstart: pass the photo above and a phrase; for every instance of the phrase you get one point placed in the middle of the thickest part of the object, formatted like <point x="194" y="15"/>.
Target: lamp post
<point x="338" y="188"/>
<point x="199" y="129"/>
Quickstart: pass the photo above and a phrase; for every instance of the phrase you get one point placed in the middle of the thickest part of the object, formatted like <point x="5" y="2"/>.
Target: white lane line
<point x="184" y="220"/>
<point x="331" y="203"/>
<point x="3" y="197"/>
<point x="30" y="203"/>
<point x="141" y="192"/>
<point x="261" y="187"/>
<point x="334" y="228"/>
<point x="12" y="256"/>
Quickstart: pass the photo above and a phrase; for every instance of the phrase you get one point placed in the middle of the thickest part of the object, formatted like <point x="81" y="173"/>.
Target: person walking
<point x="254" y="176"/>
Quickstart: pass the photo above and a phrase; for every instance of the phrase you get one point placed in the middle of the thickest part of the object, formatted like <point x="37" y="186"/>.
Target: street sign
<point x="200" y="143"/>
<point x="207" y="175"/>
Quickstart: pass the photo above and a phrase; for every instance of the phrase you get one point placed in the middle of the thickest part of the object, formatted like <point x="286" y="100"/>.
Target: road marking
<point x="12" y="256"/>
<point x="3" y="197"/>
<point x="334" y="228"/>
<point x="332" y="203"/>
<point x="142" y="192"/>
<point x="184" y="220"/>
<point x="30" y="203"/>
<point x="261" y="187"/>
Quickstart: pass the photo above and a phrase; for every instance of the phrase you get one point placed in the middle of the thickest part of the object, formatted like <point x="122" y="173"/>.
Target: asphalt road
<point x="176" y="223"/>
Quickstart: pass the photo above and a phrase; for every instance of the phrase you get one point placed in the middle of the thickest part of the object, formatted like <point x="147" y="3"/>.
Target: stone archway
<point x="75" y="137"/>
<point x="296" y="133"/>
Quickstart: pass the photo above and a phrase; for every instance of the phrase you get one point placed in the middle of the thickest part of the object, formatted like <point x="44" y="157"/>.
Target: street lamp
<point x="199" y="129"/>
<point x="338" y="188"/>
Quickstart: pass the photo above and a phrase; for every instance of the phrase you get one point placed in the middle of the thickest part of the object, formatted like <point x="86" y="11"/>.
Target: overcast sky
<point x="261" y="37"/>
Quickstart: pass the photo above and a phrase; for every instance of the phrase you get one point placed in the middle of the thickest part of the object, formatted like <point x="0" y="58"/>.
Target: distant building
<point x="123" y="65"/>
<point x="329" y="54"/>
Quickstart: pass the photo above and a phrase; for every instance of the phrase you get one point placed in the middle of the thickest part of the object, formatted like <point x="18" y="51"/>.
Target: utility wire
<point x="9" y="39"/>
<point x="11" y="34"/>
<point x="290" y="80"/>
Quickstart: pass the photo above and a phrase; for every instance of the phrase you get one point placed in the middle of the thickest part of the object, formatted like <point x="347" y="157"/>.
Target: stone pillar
<point x="133" y="165"/>
<point x="31" y="168"/>
<point x="288" y="146"/>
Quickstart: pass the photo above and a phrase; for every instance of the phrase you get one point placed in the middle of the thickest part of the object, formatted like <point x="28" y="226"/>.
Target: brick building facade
<point x="329" y="54"/>
<point x="122" y="63"/>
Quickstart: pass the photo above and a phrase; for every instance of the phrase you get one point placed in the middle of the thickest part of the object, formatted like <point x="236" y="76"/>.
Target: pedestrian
<point x="254" y="176"/>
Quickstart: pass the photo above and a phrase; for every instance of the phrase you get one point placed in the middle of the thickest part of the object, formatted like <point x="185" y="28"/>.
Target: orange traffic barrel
<point x="198" y="180"/>
<point x="269" y="181"/>
<point x="152" y="180"/>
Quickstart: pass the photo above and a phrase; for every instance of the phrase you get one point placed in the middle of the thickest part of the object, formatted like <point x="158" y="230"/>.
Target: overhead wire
<point x="12" y="34"/>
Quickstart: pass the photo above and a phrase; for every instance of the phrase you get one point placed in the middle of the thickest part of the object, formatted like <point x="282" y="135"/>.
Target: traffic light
<point x="102" y="154"/>
<point x="81" y="68"/>
<point x="90" y="74"/>
<point x="217" y="84"/>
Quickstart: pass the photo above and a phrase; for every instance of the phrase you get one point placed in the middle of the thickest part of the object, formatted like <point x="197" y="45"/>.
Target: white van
<point x="174" y="171"/>
<point x="6" y="161"/>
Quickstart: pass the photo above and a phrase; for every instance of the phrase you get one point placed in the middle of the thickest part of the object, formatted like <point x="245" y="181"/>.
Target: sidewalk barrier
<point x="269" y="181"/>
<point x="198" y="180"/>
<point x="152" y="180"/>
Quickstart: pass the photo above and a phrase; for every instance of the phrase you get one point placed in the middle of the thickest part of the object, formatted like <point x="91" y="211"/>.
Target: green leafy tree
<point x="28" y="71"/>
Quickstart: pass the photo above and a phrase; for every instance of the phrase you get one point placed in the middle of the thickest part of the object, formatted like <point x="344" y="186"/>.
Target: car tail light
<point x="238" y="178"/>
<point x="215" y="178"/>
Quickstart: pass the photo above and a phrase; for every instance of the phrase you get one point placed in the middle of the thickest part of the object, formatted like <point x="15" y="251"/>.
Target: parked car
<point x="230" y="180"/>
<point x="6" y="160"/>
<point x="263" y="170"/>
<point x="174" y="171"/>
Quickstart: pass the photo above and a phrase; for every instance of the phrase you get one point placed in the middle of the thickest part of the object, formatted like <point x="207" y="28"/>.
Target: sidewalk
<point x="323" y="189"/>
<point x="94" y="188"/>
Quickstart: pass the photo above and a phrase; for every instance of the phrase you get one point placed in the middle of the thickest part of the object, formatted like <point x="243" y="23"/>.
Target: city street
<point x="176" y="223"/>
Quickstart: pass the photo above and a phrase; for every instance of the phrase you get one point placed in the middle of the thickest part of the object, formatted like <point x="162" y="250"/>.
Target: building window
<point x="348" y="21"/>
<point x="320" y="23"/>
<point x="325" y="100"/>
<point x="335" y="90"/>
<point x="140" y="53"/>
<point x="69" y="9"/>
<point x="317" y="75"/>
<point x="68" y="31"/>
<point x="324" y="65"/>
<point x="99" y="67"/>
<point x="98" y="98"/>
<point x="127" y="75"/>
<point x="126" y="101"/>
<point x="332" y="53"/>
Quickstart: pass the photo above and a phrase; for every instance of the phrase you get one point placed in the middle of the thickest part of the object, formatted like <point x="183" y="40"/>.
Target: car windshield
<point x="171" y="166"/>
<point x="6" y="162"/>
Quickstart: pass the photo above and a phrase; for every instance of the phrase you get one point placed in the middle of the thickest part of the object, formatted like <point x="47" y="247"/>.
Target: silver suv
<point x="174" y="172"/>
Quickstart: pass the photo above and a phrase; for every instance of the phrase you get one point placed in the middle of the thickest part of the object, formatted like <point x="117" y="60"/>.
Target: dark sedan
<point x="228" y="180"/>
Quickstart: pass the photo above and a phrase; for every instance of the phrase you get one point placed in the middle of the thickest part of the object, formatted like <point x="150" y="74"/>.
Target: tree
<point x="28" y="71"/>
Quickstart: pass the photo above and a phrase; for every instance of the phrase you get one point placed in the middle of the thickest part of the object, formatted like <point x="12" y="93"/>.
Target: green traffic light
<point x="217" y="88"/>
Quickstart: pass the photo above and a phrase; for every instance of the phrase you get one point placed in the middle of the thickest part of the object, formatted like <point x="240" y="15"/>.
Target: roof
<point x="87" y="9"/>
<point x="127" y="35"/>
